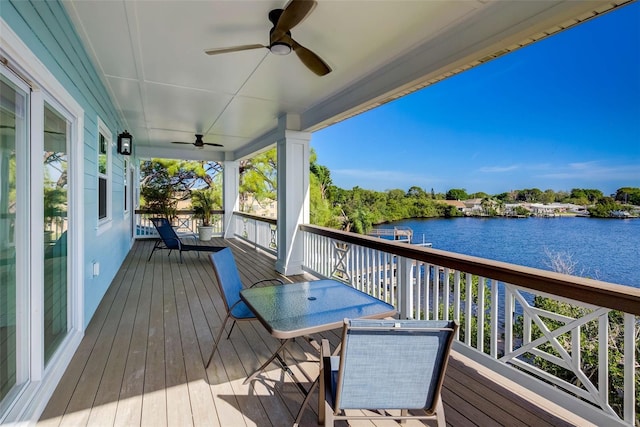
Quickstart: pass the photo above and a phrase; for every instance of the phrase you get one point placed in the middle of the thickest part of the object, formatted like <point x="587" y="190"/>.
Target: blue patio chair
<point x="230" y="285"/>
<point x="170" y="240"/>
<point x="386" y="365"/>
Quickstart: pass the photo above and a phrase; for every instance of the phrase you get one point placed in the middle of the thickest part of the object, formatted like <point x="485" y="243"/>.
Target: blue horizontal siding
<point x="47" y="30"/>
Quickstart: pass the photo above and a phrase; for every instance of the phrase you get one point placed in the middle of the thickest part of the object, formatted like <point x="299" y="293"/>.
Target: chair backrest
<point x="166" y="232"/>
<point x="393" y="364"/>
<point x="224" y="266"/>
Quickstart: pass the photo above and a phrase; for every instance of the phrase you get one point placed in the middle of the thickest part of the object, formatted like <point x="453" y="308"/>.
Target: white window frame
<point x="33" y="397"/>
<point x="104" y="223"/>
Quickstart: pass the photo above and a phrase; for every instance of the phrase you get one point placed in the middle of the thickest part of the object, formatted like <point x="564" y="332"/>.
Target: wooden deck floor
<point x="141" y="360"/>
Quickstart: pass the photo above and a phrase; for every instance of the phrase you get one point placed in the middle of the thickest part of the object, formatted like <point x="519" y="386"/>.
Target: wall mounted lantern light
<point x="125" y="141"/>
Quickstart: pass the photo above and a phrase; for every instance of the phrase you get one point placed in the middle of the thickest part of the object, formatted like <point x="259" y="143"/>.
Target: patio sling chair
<point x="169" y="239"/>
<point x="230" y="285"/>
<point x="386" y="365"/>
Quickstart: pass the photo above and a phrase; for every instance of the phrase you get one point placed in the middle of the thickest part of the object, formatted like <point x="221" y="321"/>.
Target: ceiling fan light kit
<point x="280" y="48"/>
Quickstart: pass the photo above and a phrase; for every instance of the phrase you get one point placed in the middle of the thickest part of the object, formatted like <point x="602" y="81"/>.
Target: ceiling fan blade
<point x="181" y="142"/>
<point x="234" y="49"/>
<point x="308" y="58"/>
<point x="292" y="15"/>
<point x="213" y="144"/>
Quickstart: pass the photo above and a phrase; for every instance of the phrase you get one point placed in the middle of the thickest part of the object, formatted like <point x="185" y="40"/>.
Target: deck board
<point x="141" y="361"/>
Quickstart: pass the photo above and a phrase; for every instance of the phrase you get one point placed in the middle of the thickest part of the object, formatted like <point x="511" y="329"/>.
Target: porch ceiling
<point x="150" y="55"/>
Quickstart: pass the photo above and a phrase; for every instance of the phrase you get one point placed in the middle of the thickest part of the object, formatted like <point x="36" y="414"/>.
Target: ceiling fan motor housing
<point x="277" y="47"/>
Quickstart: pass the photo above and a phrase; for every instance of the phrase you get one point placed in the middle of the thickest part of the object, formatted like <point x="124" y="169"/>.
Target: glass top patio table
<point x="297" y="309"/>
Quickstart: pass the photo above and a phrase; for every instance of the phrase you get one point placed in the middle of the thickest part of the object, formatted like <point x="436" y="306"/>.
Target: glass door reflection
<point x="55" y="162"/>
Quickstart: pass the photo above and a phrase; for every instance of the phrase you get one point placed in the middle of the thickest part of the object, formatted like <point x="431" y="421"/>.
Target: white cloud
<point x="595" y="171"/>
<point x="498" y="169"/>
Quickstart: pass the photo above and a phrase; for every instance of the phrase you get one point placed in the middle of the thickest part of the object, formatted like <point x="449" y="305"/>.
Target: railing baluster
<point x="393" y="260"/>
<point x="446" y="292"/>
<point x="418" y="294"/>
<point x="603" y="356"/>
<point x="480" y="314"/>
<point x="467" y="310"/>
<point x="405" y="288"/>
<point x="509" y="311"/>
<point x="427" y="290"/>
<point x="435" y="304"/>
<point x="630" y="325"/>
<point x="456" y="300"/>
<point x="494" y="319"/>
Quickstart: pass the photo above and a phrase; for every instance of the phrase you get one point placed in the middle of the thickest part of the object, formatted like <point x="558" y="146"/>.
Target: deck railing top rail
<point x="596" y="292"/>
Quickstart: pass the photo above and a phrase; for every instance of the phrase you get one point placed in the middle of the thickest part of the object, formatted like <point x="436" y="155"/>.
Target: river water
<point x="603" y="249"/>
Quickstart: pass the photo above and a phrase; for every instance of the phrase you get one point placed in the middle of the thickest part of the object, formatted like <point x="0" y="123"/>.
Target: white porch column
<point x="230" y="194"/>
<point x="293" y="193"/>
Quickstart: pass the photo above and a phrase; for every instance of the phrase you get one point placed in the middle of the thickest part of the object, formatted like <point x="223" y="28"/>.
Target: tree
<point x="322" y="174"/>
<point x="584" y="196"/>
<point x="164" y="182"/>
<point x="628" y="195"/>
<point x="181" y="175"/>
<point x="479" y="195"/>
<point x="258" y="178"/>
<point x="457" y="194"/>
<point x="529" y="195"/>
<point x="604" y="207"/>
<point x="417" y="193"/>
<point x="549" y="196"/>
<point x="449" y="211"/>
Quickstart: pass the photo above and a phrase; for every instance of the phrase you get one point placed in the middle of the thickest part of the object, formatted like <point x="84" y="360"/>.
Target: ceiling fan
<point x="199" y="143"/>
<point x="280" y="40"/>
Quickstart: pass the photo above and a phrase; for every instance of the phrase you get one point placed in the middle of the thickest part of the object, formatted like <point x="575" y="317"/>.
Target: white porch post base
<point x="293" y="193"/>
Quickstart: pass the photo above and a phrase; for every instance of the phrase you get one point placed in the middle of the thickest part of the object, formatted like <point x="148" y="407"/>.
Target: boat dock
<point x="401" y="234"/>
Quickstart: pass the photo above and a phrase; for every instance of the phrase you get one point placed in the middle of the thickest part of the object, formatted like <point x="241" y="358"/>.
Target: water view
<point x="603" y="249"/>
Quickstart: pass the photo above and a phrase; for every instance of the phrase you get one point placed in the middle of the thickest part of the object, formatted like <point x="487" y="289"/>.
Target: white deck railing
<point x="259" y="231"/>
<point x="513" y="319"/>
<point x="184" y="223"/>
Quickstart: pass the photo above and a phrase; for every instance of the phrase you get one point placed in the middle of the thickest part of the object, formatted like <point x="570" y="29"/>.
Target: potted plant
<point x="203" y="203"/>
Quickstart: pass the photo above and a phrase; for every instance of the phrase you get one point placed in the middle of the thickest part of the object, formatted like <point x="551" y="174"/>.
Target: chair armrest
<point x="325" y="350"/>
<point x="278" y="281"/>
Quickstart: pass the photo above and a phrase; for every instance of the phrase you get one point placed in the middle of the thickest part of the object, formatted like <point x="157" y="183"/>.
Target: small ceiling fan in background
<point x="280" y="40"/>
<point x="199" y="143"/>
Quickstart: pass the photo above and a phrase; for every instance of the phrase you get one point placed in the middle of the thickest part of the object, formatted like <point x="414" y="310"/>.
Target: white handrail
<point x="504" y="323"/>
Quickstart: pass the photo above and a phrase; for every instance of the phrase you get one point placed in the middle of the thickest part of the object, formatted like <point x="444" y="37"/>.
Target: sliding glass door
<point x="35" y="290"/>
<point x="14" y="126"/>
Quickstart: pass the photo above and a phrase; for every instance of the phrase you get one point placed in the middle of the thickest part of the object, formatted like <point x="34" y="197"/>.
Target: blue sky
<point x="562" y="113"/>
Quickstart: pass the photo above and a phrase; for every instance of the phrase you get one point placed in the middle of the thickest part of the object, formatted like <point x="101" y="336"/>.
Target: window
<point x="104" y="173"/>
